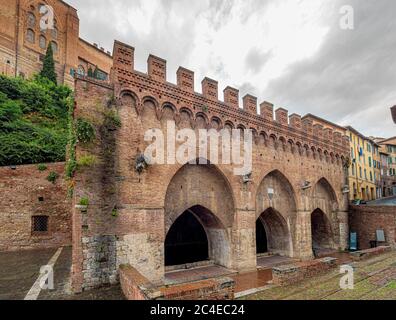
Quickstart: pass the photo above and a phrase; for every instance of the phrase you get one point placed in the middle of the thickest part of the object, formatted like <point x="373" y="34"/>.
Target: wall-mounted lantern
<point x="345" y="189"/>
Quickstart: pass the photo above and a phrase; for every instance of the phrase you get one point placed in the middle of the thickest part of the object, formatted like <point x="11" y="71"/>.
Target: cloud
<point x="255" y="60"/>
<point x="292" y="53"/>
<point x="351" y="79"/>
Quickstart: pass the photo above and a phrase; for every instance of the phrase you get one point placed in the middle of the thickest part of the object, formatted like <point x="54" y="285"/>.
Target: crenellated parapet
<point x="304" y="132"/>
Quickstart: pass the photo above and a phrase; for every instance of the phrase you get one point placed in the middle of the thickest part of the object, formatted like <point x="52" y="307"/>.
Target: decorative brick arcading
<point x="182" y="95"/>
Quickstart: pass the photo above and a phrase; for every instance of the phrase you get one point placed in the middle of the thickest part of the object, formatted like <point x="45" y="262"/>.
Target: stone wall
<point x="26" y="192"/>
<point x="366" y="220"/>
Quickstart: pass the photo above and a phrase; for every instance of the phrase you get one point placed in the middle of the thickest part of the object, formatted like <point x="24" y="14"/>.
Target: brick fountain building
<point x="294" y="204"/>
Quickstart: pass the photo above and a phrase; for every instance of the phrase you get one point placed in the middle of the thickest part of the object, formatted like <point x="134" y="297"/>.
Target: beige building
<point x="388" y="171"/>
<point x="23" y="42"/>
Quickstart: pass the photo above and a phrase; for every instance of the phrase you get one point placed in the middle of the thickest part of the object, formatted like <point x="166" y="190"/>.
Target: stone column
<point x="244" y="241"/>
<point x="303" y="236"/>
<point x="343" y="229"/>
<point x="143" y="246"/>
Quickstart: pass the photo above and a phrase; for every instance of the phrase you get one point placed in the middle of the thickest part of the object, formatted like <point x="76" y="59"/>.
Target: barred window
<point x="40" y="224"/>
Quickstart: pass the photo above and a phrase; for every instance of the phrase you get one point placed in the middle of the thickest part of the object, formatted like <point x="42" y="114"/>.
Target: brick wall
<point x="137" y="287"/>
<point x="26" y="192"/>
<point x="366" y="220"/>
<point x="148" y="203"/>
<point x="289" y="274"/>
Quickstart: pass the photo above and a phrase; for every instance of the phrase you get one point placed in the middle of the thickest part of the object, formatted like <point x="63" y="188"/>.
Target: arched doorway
<point x="322" y="236"/>
<point x="186" y="241"/>
<point x="276" y="211"/>
<point x="204" y="192"/>
<point x="272" y="233"/>
<point x="261" y="238"/>
<point x="325" y="205"/>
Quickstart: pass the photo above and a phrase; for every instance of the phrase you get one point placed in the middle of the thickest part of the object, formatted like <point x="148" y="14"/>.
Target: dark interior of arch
<point x="276" y="232"/>
<point x="186" y="241"/>
<point x="261" y="238"/>
<point x="321" y="232"/>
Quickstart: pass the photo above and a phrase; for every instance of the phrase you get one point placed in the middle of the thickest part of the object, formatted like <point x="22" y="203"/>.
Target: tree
<point x="48" y="70"/>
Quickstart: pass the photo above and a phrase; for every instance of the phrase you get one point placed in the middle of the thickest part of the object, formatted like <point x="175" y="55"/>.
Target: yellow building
<point x="365" y="167"/>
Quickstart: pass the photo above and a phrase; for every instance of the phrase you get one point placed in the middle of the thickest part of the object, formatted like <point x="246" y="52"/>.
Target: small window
<point x="43" y="42"/>
<point x="54" y="47"/>
<point x="40" y="224"/>
<point x="41" y="199"/>
<point x="31" y="20"/>
<point x="54" y="33"/>
<point x="30" y="36"/>
<point x="81" y="70"/>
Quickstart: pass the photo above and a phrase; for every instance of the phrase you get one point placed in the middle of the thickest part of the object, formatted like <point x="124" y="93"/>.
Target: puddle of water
<point x="252" y="280"/>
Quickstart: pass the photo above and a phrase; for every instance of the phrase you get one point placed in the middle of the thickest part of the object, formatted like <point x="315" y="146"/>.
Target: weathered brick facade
<point x="25" y="193"/>
<point x="366" y="220"/>
<point x="303" y="166"/>
<point x="23" y="44"/>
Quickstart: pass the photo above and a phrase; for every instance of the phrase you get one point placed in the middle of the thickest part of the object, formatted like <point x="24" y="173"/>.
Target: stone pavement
<point x="20" y="270"/>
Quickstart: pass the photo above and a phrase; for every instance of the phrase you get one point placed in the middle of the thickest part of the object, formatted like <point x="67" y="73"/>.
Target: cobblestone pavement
<point x="375" y="279"/>
<point x="20" y="270"/>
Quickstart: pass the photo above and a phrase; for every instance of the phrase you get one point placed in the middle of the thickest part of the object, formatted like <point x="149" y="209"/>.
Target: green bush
<point x="86" y="161"/>
<point x="112" y="119"/>
<point x="85" y="131"/>
<point x="52" y="177"/>
<point x="84" y="201"/>
<point x="33" y="120"/>
<point x="114" y="213"/>
<point x="42" y="167"/>
<point x="10" y="111"/>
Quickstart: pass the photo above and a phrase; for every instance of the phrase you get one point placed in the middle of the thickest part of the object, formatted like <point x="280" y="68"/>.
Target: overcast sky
<point x="292" y="53"/>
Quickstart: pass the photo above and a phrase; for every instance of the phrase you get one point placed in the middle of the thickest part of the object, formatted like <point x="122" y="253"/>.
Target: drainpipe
<point x="18" y="5"/>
